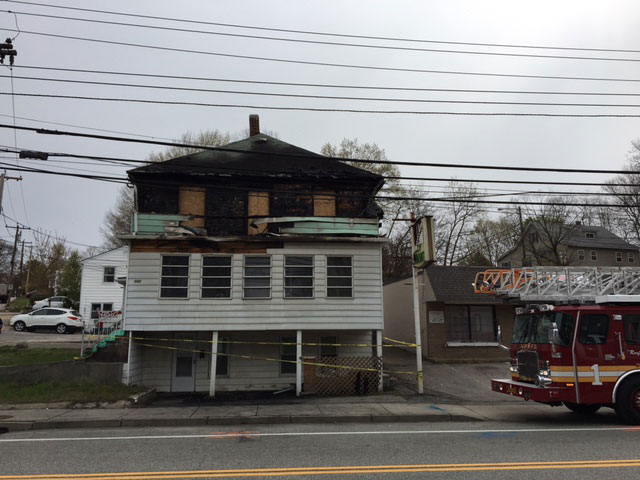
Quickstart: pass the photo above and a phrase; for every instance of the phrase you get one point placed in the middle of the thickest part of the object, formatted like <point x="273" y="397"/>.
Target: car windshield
<point x="535" y="327"/>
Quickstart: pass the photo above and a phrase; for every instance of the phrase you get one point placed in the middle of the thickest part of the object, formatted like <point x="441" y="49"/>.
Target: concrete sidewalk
<point x="387" y="409"/>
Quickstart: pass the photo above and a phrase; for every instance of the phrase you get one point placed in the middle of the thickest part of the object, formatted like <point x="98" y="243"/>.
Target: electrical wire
<point x="329" y="34"/>
<point x="339" y="110"/>
<point x="314" y="63"/>
<point x="317" y="85"/>
<point x="320" y="97"/>
<point x="41" y="232"/>
<point x="321" y="42"/>
<point x="316" y="156"/>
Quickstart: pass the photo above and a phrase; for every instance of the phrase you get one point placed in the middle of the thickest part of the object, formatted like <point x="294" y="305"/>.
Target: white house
<point x="249" y="266"/>
<point x="99" y="289"/>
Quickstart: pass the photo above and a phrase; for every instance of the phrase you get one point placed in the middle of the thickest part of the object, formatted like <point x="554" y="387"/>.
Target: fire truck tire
<point x="582" y="409"/>
<point x="628" y="400"/>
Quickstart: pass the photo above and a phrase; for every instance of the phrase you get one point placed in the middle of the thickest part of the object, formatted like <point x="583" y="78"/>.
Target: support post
<point x="214" y="363"/>
<point x="299" y="363"/>
<point x="416" y="311"/>
<point x="129" y="357"/>
<point x="379" y="354"/>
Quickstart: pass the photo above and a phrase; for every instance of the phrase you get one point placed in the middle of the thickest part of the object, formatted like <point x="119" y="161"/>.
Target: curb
<point x="257" y="420"/>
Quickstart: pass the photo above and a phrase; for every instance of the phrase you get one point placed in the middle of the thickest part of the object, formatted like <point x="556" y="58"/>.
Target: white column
<point x="214" y="362"/>
<point x="379" y="354"/>
<point x="299" y="365"/>
<point x="129" y="358"/>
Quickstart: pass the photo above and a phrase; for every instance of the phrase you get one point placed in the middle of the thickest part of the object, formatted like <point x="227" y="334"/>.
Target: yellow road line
<point x="269" y="472"/>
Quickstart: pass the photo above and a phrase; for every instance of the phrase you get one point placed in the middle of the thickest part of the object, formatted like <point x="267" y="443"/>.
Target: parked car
<point x="63" y="320"/>
<point x="50" y="302"/>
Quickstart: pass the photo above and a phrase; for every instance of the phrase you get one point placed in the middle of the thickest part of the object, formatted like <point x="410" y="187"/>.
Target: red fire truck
<point x="583" y="353"/>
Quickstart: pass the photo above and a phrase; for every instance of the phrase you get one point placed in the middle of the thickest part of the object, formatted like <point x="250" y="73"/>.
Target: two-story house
<point x="99" y="287"/>
<point x="248" y="265"/>
<point x="576" y="245"/>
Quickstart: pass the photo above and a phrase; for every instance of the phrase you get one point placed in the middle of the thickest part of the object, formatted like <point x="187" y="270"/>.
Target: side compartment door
<point x="596" y="350"/>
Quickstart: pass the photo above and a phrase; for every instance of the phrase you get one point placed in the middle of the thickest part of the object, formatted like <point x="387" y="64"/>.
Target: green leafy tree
<point x="71" y="278"/>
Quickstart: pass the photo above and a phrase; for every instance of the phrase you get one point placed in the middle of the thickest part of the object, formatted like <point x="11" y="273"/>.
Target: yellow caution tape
<point x="250" y="357"/>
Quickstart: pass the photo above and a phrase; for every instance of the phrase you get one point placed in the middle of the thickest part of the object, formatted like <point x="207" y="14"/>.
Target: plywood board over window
<point x="324" y="203"/>
<point x="191" y="202"/>
<point x="258" y="206"/>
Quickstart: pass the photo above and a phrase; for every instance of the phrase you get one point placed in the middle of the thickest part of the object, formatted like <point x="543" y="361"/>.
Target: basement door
<point x="183" y="377"/>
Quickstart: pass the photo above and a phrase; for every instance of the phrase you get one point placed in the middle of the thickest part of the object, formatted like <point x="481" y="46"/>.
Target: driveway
<point x="39" y="338"/>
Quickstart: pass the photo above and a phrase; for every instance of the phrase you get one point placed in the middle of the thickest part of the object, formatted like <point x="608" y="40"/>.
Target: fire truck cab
<point x="582" y="356"/>
<point x="584" y="351"/>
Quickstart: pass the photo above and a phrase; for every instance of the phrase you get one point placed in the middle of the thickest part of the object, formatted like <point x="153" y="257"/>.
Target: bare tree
<point x="491" y="239"/>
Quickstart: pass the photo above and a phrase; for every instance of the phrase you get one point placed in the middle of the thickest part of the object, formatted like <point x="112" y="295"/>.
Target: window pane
<point x="257" y="292"/>
<point x="339" y="292"/>
<point x="631" y="328"/>
<point x="175" y="260"/>
<point x="294" y="261"/>
<point x="216" y="261"/>
<point x="216" y="293"/>
<point x="253" y="261"/>
<point x="107" y="307"/>
<point x="298" y="292"/>
<point x="175" y="271"/>
<point x="257" y="282"/>
<point x="216" y="282"/>
<point x="257" y="271"/>
<point x="594" y="329"/>
<point x="173" y="292"/>
<point x="299" y="282"/>
<point x="216" y="272"/>
<point x="482" y="327"/>
<point x="298" y="271"/>
<point x="184" y="366"/>
<point x="339" y="261"/>
<point x="174" y="281"/>
<point x="339" y="271"/>
<point x="457" y="321"/>
<point x="339" y="281"/>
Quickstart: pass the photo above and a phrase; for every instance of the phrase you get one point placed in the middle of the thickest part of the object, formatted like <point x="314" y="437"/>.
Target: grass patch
<point x="79" y="392"/>
<point x="31" y="356"/>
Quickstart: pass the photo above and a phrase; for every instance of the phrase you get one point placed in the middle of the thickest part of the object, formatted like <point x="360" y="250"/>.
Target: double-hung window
<point x="257" y="276"/>
<point x="216" y="276"/>
<point x="298" y="276"/>
<point x="175" y="276"/>
<point x="618" y="257"/>
<point x="109" y="275"/>
<point x="339" y="277"/>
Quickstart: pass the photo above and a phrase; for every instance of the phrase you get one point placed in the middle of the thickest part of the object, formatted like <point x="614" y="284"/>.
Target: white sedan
<point x="63" y="320"/>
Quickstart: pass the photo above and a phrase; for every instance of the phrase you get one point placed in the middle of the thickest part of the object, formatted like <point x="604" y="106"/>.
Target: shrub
<point x="20" y="304"/>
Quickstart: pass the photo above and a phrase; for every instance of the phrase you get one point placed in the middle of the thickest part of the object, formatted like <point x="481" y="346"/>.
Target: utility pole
<point x="3" y="177"/>
<point x="20" y="286"/>
<point x="13" y="260"/>
<point x="26" y="283"/>
<point x="416" y="310"/>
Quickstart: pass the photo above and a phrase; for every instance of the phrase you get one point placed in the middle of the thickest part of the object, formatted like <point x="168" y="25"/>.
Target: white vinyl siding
<point x="364" y="310"/>
<point x="93" y="289"/>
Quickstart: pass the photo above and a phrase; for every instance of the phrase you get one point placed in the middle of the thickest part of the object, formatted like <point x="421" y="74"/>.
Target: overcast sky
<point x="74" y="208"/>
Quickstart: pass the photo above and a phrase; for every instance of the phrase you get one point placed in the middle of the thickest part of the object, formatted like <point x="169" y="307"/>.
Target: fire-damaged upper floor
<point x="256" y="186"/>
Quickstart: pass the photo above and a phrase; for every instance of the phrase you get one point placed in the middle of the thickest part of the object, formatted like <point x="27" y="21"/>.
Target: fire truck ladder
<point x="582" y="284"/>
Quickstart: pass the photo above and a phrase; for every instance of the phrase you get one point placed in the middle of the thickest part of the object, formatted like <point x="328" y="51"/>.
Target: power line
<point x="312" y="63"/>
<point x="323" y="97"/>
<point x="314" y="156"/>
<point x="346" y="110"/>
<point x="319" y="85"/>
<point x="322" y="42"/>
<point x="41" y="232"/>
<point x="329" y="34"/>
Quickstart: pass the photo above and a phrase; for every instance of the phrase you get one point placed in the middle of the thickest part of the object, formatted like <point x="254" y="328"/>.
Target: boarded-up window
<point x="258" y="207"/>
<point x="175" y="276"/>
<point x="191" y="202"/>
<point x="324" y="204"/>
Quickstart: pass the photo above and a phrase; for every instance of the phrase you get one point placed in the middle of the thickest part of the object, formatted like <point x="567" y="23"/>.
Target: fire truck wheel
<point x="628" y="400"/>
<point x="582" y="409"/>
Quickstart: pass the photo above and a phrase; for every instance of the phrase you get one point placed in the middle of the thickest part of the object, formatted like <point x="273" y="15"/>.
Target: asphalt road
<point x="573" y="449"/>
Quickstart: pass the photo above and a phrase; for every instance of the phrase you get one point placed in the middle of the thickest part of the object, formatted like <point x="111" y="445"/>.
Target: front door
<point x="184" y="361"/>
